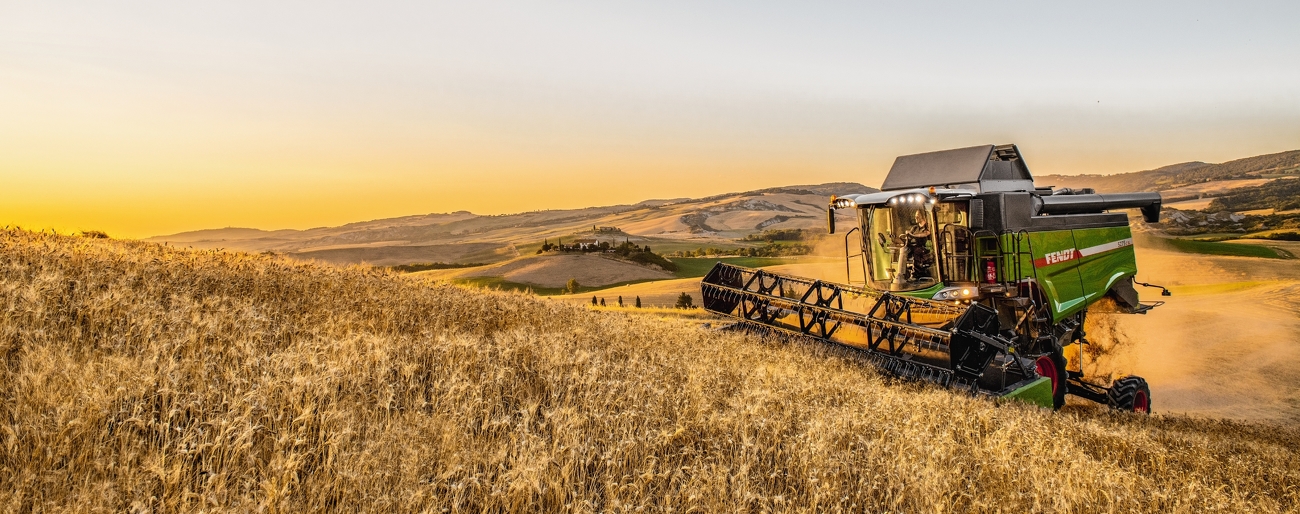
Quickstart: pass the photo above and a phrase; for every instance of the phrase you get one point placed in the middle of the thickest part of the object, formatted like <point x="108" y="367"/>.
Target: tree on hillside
<point x="593" y="300"/>
<point x="620" y="300"/>
<point x="602" y="302"/>
<point x="572" y="287"/>
<point x="684" y="301"/>
<point x="638" y="302"/>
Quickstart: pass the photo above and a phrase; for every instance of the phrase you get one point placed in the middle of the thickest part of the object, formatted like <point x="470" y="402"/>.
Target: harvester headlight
<point x="956" y="293"/>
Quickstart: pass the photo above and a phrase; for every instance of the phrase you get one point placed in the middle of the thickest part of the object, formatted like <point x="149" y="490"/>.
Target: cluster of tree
<point x="620" y="302"/>
<point x="684" y="301"/>
<point x="770" y="249"/>
<point x="1187" y="223"/>
<point x="604" y="246"/>
<point x="411" y="268"/>
<point x="652" y="258"/>
<point x="783" y="234"/>
<point x="627" y="250"/>
<point x="1250" y="167"/>
<point x="1283" y="236"/>
<point x="1282" y="195"/>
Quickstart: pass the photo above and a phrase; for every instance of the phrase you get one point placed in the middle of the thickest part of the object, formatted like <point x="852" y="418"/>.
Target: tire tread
<point x="1124" y="391"/>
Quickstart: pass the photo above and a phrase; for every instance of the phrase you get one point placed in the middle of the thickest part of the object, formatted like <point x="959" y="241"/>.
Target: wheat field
<point x="139" y="377"/>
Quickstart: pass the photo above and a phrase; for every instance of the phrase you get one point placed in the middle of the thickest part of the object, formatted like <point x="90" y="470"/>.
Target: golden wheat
<point x="142" y="377"/>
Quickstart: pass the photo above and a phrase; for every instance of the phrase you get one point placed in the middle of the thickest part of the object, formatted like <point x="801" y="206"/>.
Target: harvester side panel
<point x="1072" y="268"/>
<point x="1057" y="269"/>
<point x="1106" y="257"/>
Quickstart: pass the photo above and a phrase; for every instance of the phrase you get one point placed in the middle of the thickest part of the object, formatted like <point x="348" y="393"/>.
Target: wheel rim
<point x="1047" y="368"/>
<point x="1140" y="402"/>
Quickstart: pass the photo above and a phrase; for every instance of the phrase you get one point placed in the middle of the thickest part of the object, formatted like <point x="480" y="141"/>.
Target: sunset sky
<point x="143" y="119"/>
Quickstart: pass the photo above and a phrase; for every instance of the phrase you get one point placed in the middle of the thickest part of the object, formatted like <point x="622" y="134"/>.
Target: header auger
<point x="971" y="277"/>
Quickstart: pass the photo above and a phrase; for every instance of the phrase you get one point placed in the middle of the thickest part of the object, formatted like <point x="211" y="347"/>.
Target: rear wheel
<point x="1052" y="366"/>
<point x="1130" y="394"/>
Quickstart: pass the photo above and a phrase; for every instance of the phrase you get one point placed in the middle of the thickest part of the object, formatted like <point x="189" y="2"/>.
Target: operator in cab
<point x="918" y="237"/>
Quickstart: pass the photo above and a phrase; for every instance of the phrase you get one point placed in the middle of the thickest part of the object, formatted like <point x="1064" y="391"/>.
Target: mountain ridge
<point x="441" y="237"/>
<point x="1182" y="174"/>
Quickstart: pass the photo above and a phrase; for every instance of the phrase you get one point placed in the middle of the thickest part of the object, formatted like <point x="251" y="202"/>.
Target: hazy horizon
<point x="144" y="119"/>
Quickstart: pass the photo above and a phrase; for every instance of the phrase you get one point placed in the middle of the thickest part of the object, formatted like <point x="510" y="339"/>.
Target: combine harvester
<point x="972" y="278"/>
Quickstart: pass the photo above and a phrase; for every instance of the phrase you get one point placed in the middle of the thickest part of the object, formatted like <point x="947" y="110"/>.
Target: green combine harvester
<point x="970" y="277"/>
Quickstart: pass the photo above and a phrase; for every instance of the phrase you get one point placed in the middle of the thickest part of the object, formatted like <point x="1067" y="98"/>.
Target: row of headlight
<point x="957" y="293"/>
<point x="841" y="203"/>
<point x="916" y="199"/>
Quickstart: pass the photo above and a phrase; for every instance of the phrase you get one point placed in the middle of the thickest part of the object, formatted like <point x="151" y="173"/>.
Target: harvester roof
<point x="986" y="168"/>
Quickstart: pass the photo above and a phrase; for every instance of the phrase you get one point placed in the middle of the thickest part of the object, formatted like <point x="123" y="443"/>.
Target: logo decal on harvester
<point x="1073" y="253"/>
<point x="1061" y="256"/>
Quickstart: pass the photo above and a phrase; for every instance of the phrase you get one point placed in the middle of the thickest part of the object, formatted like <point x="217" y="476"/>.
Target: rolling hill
<point x="665" y="224"/>
<point x="1172" y="177"/>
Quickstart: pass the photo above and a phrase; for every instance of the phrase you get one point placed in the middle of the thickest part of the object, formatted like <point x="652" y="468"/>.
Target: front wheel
<point x="1052" y="366"/>
<point x="1130" y="394"/>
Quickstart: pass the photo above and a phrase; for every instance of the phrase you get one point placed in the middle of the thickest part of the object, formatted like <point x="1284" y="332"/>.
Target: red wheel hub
<point x="1140" y="402"/>
<point x="1046" y="367"/>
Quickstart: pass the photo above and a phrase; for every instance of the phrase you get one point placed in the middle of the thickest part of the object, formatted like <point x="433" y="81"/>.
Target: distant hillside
<point x="467" y="237"/>
<point x="1279" y="195"/>
<point x="1183" y="174"/>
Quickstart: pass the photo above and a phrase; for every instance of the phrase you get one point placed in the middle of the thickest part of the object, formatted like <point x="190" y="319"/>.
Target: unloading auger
<point x="971" y="277"/>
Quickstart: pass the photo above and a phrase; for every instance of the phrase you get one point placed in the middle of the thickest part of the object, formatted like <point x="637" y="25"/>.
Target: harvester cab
<point x="969" y="276"/>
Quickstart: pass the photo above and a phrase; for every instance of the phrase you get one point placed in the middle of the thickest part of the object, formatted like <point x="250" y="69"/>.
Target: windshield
<point x="898" y="239"/>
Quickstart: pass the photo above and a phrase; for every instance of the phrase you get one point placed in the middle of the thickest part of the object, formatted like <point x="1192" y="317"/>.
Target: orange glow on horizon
<point x="150" y="121"/>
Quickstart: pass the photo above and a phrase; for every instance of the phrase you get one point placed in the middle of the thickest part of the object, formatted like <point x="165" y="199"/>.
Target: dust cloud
<point x="1225" y="344"/>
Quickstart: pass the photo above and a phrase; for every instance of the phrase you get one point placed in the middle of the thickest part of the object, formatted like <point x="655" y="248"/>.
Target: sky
<point x="150" y="118"/>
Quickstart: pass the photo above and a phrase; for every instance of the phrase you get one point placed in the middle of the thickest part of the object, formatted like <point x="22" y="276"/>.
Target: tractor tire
<point x="1052" y="366"/>
<point x="1130" y="394"/>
